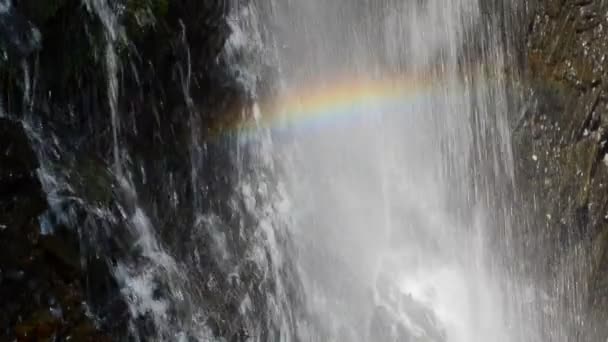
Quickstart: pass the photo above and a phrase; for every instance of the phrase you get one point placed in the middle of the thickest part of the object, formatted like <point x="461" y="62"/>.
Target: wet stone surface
<point x="57" y="259"/>
<point x="41" y="297"/>
<point x="560" y="149"/>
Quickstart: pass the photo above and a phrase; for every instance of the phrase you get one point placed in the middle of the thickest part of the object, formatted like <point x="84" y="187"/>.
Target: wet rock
<point x="14" y="275"/>
<point x="67" y="256"/>
<point x="40" y="12"/>
<point x="39" y="275"/>
<point x="18" y="36"/>
<point x="162" y="46"/>
<point x="20" y="195"/>
<point x="86" y="332"/>
<point x="560" y="148"/>
<point x="41" y="325"/>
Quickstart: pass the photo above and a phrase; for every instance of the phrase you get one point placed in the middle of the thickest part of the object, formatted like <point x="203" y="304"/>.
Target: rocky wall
<point x="55" y="278"/>
<point x="560" y="144"/>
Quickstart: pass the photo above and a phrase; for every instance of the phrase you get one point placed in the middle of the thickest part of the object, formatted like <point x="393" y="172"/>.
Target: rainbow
<point x="323" y="104"/>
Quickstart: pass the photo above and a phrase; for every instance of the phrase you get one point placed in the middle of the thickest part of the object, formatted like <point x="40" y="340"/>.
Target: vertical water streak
<point x="262" y="193"/>
<point x="111" y="28"/>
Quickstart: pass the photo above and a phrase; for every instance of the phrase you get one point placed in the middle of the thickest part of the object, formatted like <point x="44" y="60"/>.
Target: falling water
<point x="395" y="203"/>
<point x="364" y="195"/>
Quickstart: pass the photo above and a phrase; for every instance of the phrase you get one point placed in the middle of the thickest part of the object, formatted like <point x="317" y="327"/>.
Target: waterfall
<point x="339" y="171"/>
<point x="396" y="201"/>
<point x="393" y="147"/>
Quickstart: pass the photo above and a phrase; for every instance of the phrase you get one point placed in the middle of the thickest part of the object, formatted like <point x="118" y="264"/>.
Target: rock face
<point x="64" y="67"/>
<point x="562" y="162"/>
<point x="41" y="297"/>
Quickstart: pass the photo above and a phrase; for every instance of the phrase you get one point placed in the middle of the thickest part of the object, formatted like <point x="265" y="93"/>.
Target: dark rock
<point x="39" y="12"/>
<point x="56" y="248"/>
<point x="18" y="36"/>
<point x="20" y="195"/>
<point x="173" y="92"/>
<point x="41" y="325"/>
<point x="39" y="274"/>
